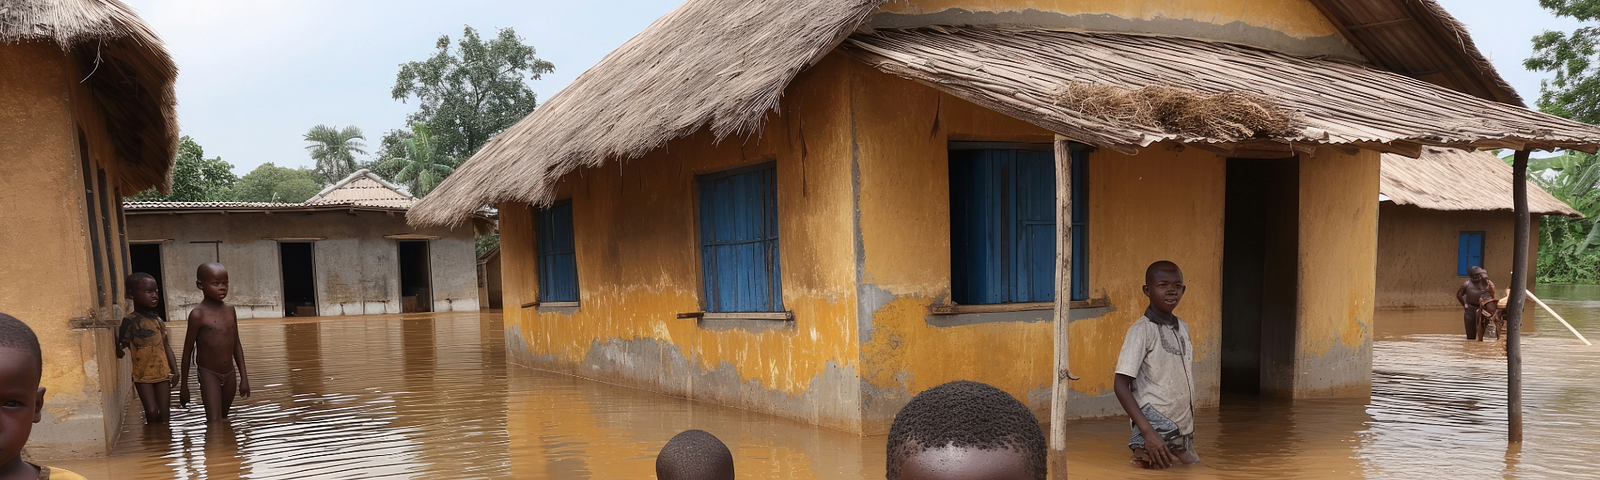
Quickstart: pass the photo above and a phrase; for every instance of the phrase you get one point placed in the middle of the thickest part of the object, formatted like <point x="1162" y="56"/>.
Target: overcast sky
<point x="255" y="75"/>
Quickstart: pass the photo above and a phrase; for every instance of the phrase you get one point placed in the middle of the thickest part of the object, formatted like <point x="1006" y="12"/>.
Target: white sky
<point x="255" y="75"/>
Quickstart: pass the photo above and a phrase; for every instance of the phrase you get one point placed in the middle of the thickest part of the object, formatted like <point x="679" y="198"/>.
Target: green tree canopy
<point x="196" y="178"/>
<point x="469" y="94"/>
<point x="1574" y="92"/>
<point x="392" y="146"/>
<point x="272" y="183"/>
<point x="422" y="167"/>
<point x="334" y="150"/>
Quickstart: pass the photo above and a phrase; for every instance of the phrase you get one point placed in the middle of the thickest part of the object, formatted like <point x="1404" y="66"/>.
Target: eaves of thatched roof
<point x="723" y="65"/>
<point x="1450" y="179"/>
<point x="132" y="76"/>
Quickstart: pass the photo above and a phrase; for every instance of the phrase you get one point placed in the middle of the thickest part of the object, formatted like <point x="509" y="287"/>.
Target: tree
<point x="392" y="146"/>
<point x="1575" y="91"/>
<point x="334" y="150"/>
<point x="1567" y="252"/>
<point x="469" y="95"/>
<point x="422" y="167"/>
<point x="272" y="183"/>
<point x="195" y="178"/>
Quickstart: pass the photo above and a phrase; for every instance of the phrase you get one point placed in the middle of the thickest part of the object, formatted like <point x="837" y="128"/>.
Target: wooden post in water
<point x="1059" y="385"/>
<point x="1519" y="298"/>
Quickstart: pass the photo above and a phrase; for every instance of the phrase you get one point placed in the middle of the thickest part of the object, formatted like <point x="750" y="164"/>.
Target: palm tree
<point x="334" y="150"/>
<point x="421" y="167"/>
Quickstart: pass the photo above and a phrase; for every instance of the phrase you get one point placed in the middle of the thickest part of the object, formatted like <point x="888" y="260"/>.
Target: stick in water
<point x="1558" y="317"/>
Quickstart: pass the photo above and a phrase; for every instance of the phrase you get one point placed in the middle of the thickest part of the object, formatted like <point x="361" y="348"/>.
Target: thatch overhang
<point x="1023" y="73"/>
<point x="1450" y="179"/>
<point x="129" y="73"/>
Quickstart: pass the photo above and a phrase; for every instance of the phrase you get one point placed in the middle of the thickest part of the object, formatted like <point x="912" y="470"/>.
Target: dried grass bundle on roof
<point x="1185" y="112"/>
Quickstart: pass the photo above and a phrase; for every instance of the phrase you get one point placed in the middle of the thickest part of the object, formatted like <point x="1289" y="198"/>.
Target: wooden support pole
<point x="1519" y="298"/>
<point x="1059" y="385"/>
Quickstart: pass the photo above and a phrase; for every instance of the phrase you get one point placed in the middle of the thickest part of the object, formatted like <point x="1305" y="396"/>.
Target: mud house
<point x="86" y="116"/>
<point x="817" y="209"/>
<point x="345" y="251"/>
<point x="1442" y="213"/>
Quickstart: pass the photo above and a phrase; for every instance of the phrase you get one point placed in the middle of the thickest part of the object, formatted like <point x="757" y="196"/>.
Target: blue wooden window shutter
<point x="1003" y="224"/>
<point x="558" y="261"/>
<point x="739" y="240"/>
<point x="1469" y="252"/>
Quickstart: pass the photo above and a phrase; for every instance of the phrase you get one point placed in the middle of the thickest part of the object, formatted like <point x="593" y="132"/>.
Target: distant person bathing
<point x="1477" y="298"/>
<point x="144" y="332"/>
<point x="1155" y="378"/>
<point x="213" y="335"/>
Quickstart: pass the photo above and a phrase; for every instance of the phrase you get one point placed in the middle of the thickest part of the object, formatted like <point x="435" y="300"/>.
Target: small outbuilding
<point x="345" y="251"/>
<point x="1444" y="212"/>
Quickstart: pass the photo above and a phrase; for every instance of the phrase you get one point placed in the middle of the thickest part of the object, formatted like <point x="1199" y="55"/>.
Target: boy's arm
<point x="238" y="359"/>
<point x="172" y="359"/>
<point x="190" y="334"/>
<point x="1154" y="445"/>
<point x="122" y="336"/>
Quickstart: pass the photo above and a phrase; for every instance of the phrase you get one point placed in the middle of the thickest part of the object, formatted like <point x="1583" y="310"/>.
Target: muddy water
<point x="430" y="396"/>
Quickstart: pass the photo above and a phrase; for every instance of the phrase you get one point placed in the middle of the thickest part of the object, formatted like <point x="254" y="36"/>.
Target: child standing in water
<point x="1155" y="379"/>
<point x="145" y="333"/>
<point x="213" y="333"/>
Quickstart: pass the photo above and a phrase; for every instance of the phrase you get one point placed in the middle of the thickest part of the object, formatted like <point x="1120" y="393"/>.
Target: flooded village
<point x="788" y="224"/>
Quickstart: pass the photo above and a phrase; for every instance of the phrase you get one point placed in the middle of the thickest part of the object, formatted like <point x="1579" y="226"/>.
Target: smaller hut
<point x="345" y="251"/>
<point x="1442" y="213"/>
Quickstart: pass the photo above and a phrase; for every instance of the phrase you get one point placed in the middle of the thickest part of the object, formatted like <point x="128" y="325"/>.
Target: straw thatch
<point x="1020" y="72"/>
<point x="721" y="64"/>
<point x="130" y="74"/>
<point x="1459" y="180"/>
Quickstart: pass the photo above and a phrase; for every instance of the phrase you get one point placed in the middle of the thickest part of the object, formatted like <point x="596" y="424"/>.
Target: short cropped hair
<point x="694" y="455"/>
<point x="17" y="335"/>
<point x="200" y="271"/>
<point x="1159" y="266"/>
<point x="966" y="414"/>
<point x="134" y="279"/>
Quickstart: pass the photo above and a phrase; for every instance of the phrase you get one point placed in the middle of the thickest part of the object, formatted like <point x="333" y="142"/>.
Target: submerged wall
<point x="356" y="269"/>
<point x="47" y="255"/>
<point x="1338" y="265"/>
<point x="1417" y="251"/>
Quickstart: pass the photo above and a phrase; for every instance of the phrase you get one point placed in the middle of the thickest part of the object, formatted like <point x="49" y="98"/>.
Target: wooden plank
<point x="1014" y="307"/>
<point x="1059" y="387"/>
<point x="750" y="315"/>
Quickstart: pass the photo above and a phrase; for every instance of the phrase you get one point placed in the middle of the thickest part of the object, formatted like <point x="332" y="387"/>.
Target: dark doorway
<point x="299" y="279"/>
<point x="415" y="294"/>
<point x="1260" y="261"/>
<point x="146" y="258"/>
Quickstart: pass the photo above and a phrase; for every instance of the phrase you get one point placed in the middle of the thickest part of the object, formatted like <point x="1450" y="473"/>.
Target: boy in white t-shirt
<point x="1155" y="379"/>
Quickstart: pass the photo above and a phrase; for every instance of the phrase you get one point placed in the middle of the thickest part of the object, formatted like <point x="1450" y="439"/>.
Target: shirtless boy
<point x="1472" y="294"/>
<point x="213" y="333"/>
<point x="1155" y="375"/>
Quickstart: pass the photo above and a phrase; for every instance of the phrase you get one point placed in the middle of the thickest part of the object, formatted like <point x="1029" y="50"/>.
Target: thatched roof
<point x="723" y="64"/>
<point x="363" y="188"/>
<point x="1458" y="180"/>
<point x="132" y="77"/>
<point x="1024" y="73"/>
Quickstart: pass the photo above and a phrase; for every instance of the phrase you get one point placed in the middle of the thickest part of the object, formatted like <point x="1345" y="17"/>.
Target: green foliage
<point x="422" y="166"/>
<point x="196" y="178"/>
<point x="272" y="183"/>
<point x="1567" y="252"/>
<point x="1574" y="92"/>
<point x="468" y="95"/>
<point x="334" y="150"/>
<point x="391" y="147"/>
<point x="486" y="243"/>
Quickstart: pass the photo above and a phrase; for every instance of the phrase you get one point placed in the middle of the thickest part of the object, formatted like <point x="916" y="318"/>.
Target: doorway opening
<point x="146" y="258"/>
<point x="1260" y="263"/>
<point x="415" y="288"/>
<point x="299" y="279"/>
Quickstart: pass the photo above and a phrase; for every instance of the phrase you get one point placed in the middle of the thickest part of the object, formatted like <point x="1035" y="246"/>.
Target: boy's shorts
<point x="1176" y="442"/>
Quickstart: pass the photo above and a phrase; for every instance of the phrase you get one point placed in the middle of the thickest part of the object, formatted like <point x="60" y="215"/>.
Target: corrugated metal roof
<point x="362" y="189"/>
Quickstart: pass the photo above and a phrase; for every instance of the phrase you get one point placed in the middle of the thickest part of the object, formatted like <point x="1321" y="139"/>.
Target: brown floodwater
<point x="431" y="396"/>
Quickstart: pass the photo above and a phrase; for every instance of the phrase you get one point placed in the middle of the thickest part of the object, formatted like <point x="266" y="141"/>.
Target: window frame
<point x="543" y="222"/>
<point x="710" y="304"/>
<point x="1463" y="260"/>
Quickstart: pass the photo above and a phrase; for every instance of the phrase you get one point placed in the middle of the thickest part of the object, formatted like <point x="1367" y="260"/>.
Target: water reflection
<point x="430" y="396"/>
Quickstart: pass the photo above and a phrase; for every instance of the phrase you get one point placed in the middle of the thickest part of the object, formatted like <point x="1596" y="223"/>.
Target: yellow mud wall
<point x="1417" y="251"/>
<point x="638" y="267"/>
<point x="1338" y="265"/>
<point x="1293" y="26"/>
<point x="1162" y="204"/>
<point x="45" y="251"/>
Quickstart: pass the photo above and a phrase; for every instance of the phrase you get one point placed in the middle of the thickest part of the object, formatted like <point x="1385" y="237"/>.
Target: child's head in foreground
<point x="21" y="399"/>
<point x="141" y="288"/>
<point x="966" y="430"/>
<point x="694" y="455"/>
